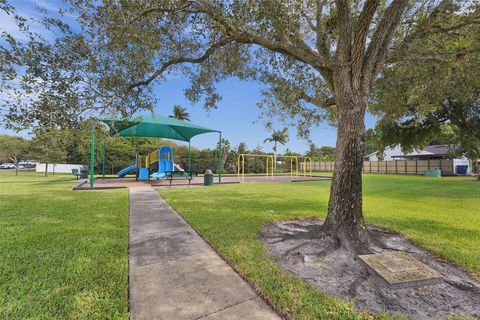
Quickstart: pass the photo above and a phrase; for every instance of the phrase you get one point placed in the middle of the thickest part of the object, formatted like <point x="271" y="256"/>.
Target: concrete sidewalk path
<point x="175" y="274"/>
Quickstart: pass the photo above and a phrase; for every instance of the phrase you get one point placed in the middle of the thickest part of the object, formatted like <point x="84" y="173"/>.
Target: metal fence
<point x="415" y="167"/>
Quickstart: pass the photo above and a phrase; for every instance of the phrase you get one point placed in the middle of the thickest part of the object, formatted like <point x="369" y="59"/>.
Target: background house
<point x="434" y="152"/>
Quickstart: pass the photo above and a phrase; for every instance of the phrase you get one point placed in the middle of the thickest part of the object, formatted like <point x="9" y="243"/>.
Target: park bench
<point x="180" y="175"/>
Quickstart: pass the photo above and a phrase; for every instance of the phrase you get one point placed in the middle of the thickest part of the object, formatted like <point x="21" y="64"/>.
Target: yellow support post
<point x="304" y="167"/>
<point x="292" y="158"/>
<point x="242" y="157"/>
<point x="309" y="165"/>
<point x="296" y="166"/>
<point x="306" y="160"/>
<point x="291" y="167"/>
<point x="266" y="167"/>
<point x="243" y="168"/>
<point x="272" y="165"/>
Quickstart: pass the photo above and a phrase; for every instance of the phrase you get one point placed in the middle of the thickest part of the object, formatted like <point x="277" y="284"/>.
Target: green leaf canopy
<point x="156" y="126"/>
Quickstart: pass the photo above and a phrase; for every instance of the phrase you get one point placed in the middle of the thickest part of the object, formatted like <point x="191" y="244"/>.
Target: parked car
<point x="7" y="166"/>
<point x="26" y="165"/>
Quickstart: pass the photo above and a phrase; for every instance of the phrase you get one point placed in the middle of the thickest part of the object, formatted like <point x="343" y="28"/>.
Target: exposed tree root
<point x="329" y="261"/>
<point x="464" y="286"/>
<point x="352" y="290"/>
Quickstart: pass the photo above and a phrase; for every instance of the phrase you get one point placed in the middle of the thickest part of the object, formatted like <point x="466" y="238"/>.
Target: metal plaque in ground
<point x="399" y="270"/>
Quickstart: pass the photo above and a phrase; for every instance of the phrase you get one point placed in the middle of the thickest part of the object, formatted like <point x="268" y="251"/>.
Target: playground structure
<point x="157" y="164"/>
<point x="154" y="126"/>
<point x="267" y="161"/>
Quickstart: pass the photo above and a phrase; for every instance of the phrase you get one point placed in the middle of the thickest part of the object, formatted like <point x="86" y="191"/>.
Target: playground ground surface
<point x="64" y="253"/>
<point x="131" y="182"/>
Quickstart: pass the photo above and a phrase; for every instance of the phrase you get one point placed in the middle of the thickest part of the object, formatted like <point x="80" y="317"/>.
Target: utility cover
<point x="400" y="270"/>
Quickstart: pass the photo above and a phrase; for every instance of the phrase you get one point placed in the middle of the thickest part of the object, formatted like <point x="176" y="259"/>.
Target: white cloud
<point x="47" y="5"/>
<point x="28" y="9"/>
<point x="9" y="26"/>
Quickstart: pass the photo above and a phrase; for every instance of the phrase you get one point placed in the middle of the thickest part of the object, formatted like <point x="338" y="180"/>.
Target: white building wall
<point x="396" y="153"/>
<point x="59" y="168"/>
<point x="389" y="153"/>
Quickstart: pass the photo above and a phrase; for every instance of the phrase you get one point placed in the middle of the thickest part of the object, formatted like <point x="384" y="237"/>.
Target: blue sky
<point x="237" y="112"/>
<point x="237" y="116"/>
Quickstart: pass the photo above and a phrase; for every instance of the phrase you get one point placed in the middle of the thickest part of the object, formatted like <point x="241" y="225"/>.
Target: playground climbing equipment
<point x="156" y="164"/>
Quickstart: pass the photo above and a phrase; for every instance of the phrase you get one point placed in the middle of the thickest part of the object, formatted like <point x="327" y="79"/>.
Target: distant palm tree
<point x="180" y="113"/>
<point x="277" y="137"/>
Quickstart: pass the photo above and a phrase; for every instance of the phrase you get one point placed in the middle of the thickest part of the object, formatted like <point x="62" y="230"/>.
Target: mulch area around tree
<point x="340" y="273"/>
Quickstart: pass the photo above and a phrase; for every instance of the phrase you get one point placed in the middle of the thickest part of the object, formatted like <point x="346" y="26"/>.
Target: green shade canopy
<point x="156" y="126"/>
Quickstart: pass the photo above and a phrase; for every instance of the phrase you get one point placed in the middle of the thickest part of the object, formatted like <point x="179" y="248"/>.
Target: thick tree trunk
<point x="46" y="169"/>
<point x="345" y="217"/>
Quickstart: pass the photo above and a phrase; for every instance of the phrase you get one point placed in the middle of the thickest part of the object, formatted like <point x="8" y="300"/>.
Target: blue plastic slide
<point x="122" y="173"/>
<point x="163" y="167"/>
<point x="165" y="162"/>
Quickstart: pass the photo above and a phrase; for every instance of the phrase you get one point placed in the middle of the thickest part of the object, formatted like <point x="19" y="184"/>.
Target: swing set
<point x="267" y="162"/>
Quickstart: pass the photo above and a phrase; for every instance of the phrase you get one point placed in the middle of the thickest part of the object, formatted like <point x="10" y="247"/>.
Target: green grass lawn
<point x="441" y="214"/>
<point x="63" y="254"/>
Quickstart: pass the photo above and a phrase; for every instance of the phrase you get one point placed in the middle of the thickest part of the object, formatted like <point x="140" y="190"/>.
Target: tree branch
<point x="361" y="33"/>
<point x="289" y="50"/>
<point x="304" y="54"/>
<point x="322" y="42"/>
<point x="398" y="53"/>
<point x="439" y="57"/>
<point x="344" y="23"/>
<point x="423" y="28"/>
<point x="325" y="104"/>
<point x="162" y="9"/>
<point x="308" y="20"/>
<point x="178" y="60"/>
<point x="378" y="47"/>
<point x="298" y="50"/>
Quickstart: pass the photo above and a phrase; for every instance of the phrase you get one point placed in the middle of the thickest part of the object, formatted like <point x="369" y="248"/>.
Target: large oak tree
<point x="318" y="59"/>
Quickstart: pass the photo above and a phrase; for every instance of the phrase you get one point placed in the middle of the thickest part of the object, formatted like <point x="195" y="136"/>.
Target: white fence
<point x="59" y="167"/>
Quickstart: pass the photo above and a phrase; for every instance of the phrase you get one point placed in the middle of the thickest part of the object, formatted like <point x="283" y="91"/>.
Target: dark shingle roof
<point x="441" y="149"/>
